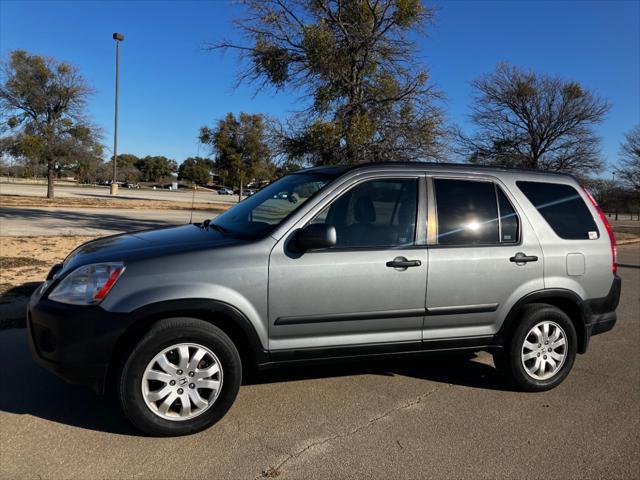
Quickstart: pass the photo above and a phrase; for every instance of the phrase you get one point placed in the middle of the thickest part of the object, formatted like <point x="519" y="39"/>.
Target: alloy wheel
<point x="182" y="381"/>
<point x="544" y="350"/>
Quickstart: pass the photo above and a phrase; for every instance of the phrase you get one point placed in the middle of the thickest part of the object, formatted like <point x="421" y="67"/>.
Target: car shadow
<point x="464" y="369"/>
<point x="13" y="304"/>
<point x="31" y="390"/>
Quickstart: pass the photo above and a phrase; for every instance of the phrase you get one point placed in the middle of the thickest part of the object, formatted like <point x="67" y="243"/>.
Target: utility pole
<point x="118" y="37"/>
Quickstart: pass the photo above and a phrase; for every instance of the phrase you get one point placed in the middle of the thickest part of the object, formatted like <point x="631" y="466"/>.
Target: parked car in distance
<point x="281" y="195"/>
<point x="329" y="264"/>
<point x="225" y="191"/>
<point x="132" y="185"/>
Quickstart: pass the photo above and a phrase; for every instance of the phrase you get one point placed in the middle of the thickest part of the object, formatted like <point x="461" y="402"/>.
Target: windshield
<point x="259" y="214"/>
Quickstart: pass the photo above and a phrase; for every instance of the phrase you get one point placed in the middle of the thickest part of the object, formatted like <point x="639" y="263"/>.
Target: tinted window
<point x="377" y="213"/>
<point x="509" y="224"/>
<point x="467" y="212"/>
<point x="562" y="208"/>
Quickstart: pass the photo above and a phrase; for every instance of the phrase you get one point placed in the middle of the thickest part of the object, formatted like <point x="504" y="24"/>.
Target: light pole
<point x="118" y="37"/>
<point x="613" y="184"/>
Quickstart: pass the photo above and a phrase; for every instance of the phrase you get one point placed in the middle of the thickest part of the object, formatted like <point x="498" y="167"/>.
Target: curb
<point x="628" y="242"/>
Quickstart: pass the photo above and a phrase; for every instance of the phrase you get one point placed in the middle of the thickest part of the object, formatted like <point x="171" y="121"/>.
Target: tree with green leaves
<point x="81" y="154"/>
<point x="241" y="148"/>
<point x="532" y="120"/>
<point x="196" y="169"/>
<point x="356" y="60"/>
<point x="43" y="99"/>
<point x="25" y="149"/>
<point x="155" y="168"/>
<point x="629" y="167"/>
<point x="127" y="168"/>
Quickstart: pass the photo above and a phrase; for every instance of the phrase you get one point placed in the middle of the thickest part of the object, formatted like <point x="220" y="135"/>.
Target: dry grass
<point x="26" y="201"/>
<point x="33" y="254"/>
<point x="24" y="263"/>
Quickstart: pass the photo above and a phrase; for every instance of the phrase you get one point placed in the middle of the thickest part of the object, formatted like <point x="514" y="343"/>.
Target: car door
<point x="483" y="256"/>
<point x="353" y="294"/>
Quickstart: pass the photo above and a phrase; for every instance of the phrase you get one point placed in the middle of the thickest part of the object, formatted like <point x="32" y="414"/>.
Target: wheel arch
<point x="221" y="314"/>
<point x="566" y="300"/>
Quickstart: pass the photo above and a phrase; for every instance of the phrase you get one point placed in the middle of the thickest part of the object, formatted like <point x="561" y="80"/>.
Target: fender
<point x="193" y="306"/>
<point x="141" y="319"/>
<point x="550" y="295"/>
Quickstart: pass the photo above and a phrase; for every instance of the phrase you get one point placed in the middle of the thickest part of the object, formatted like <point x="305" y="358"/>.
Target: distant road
<point x="103" y="192"/>
<point x="47" y="221"/>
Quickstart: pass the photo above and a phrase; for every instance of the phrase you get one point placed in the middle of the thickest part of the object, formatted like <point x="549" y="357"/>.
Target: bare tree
<point x="532" y="120"/>
<point x="356" y="62"/>
<point x="43" y="98"/>
<point x="629" y="168"/>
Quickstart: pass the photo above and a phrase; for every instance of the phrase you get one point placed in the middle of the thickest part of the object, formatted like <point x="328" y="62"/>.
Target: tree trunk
<point x="50" y="173"/>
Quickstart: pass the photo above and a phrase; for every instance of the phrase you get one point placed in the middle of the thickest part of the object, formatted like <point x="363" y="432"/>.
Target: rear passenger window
<point x="467" y="212"/>
<point x="563" y="209"/>
<point x="474" y="213"/>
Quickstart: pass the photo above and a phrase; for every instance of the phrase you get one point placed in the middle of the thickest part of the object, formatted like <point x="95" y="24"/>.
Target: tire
<point x="539" y="366"/>
<point x="205" y="405"/>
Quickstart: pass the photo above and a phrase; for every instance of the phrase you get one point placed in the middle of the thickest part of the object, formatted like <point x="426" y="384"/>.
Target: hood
<point x="147" y="244"/>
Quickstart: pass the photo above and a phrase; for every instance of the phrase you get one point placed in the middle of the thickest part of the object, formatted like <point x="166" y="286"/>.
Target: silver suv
<point x="333" y="263"/>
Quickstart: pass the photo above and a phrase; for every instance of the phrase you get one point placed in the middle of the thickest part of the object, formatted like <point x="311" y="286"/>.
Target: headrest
<point x="365" y="212"/>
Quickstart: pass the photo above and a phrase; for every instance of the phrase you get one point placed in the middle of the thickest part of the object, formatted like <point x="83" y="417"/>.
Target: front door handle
<point x="403" y="263"/>
<point x="523" y="258"/>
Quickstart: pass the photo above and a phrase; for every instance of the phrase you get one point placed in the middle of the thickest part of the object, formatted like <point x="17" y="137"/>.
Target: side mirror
<point x="317" y="235"/>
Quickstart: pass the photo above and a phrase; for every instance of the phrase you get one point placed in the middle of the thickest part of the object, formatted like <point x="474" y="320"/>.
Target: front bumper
<point x="74" y="342"/>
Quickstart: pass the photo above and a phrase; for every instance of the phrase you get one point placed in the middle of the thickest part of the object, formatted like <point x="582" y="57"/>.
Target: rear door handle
<point x="403" y="263"/>
<point x="523" y="258"/>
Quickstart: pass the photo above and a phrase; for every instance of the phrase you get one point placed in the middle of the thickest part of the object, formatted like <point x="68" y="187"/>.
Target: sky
<point x="170" y="85"/>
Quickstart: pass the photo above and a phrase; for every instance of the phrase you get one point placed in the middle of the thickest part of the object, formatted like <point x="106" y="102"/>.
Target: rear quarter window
<point x="563" y="209"/>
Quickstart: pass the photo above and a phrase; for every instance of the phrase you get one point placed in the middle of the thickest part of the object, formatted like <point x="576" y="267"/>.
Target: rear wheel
<point x="181" y="378"/>
<point x="541" y="351"/>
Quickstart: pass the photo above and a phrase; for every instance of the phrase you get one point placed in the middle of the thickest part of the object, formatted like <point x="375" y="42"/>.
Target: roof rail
<point x="342" y="168"/>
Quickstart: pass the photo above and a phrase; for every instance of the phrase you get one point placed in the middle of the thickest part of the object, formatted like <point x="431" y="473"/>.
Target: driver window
<point x="376" y="213"/>
<point x="281" y="204"/>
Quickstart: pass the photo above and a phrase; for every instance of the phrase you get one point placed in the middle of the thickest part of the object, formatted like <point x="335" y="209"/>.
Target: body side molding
<point x="414" y="312"/>
<point x="346" y="317"/>
<point x="459" y="309"/>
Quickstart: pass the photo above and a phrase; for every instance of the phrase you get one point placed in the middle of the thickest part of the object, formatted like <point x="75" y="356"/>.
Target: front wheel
<point x="541" y="351"/>
<point x="181" y="378"/>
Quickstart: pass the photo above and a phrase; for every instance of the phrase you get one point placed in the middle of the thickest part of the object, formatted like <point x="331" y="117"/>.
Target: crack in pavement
<point x="273" y="471"/>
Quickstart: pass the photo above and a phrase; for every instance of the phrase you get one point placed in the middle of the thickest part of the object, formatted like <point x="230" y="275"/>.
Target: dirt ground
<point x="24" y="263"/>
<point x="25" y="201"/>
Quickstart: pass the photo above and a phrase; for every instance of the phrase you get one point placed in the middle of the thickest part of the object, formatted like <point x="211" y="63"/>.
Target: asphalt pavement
<point x="182" y="195"/>
<point x="433" y="417"/>
<point x="47" y="221"/>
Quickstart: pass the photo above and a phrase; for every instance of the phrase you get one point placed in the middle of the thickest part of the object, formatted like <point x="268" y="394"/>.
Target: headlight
<point x="87" y="285"/>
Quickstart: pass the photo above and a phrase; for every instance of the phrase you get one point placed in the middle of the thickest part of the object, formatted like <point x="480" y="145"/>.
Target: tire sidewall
<point x="531" y="317"/>
<point x="163" y="335"/>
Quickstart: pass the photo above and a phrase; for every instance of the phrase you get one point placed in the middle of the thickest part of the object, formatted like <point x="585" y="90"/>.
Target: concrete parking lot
<point x="432" y="417"/>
